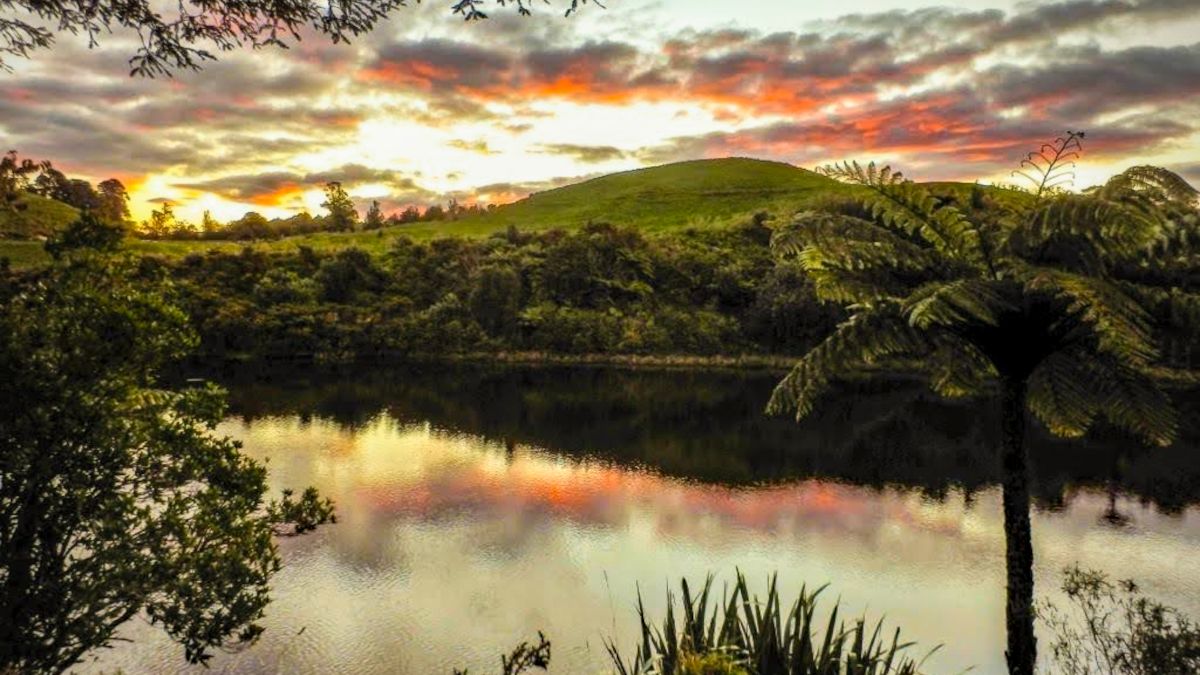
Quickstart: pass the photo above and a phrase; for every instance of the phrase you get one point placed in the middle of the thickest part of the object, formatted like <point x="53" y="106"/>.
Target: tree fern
<point x="1044" y="293"/>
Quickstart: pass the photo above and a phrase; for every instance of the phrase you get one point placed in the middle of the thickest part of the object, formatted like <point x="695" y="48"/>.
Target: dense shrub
<point x="603" y="289"/>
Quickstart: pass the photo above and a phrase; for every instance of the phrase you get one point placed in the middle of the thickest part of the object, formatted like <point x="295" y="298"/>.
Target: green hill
<point x="700" y="193"/>
<point x="39" y="217"/>
<point x="695" y="193"/>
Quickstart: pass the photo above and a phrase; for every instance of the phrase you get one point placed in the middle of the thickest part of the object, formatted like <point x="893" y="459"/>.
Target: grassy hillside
<point x="701" y="193"/>
<point x="40" y="217"/>
<point x="695" y="193"/>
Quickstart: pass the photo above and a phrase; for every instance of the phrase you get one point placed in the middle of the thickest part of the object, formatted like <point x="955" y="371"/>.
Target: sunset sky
<point x="427" y="107"/>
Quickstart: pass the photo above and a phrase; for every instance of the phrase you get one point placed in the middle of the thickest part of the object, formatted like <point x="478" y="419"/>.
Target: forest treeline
<point x="108" y="200"/>
<point x="599" y="290"/>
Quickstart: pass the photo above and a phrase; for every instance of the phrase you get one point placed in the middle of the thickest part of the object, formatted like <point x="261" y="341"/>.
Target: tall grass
<point x="743" y="634"/>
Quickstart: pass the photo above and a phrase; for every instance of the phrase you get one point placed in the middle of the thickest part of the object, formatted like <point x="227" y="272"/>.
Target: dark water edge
<point x="708" y="425"/>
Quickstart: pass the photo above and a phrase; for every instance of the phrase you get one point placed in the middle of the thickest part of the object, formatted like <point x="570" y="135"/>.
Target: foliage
<point x="118" y="500"/>
<point x="183" y="39"/>
<point x="374" y="219"/>
<point x="745" y="634"/>
<point x="524" y="657"/>
<point x="1025" y="289"/>
<point x="1112" y="629"/>
<point x="342" y="214"/>
<point x="601" y="290"/>
<point x="700" y="195"/>
<point x="88" y="232"/>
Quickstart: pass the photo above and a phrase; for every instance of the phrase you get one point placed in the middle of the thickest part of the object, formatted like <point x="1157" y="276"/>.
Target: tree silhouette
<point x="1017" y="288"/>
<point x="183" y="38"/>
<point x="342" y="215"/>
<point x="118" y="500"/>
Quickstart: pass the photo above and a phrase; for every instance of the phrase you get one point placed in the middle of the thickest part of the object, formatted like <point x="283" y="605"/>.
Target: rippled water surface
<point x="478" y="507"/>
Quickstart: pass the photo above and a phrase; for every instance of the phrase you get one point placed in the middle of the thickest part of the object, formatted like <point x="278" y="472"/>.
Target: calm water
<point x="477" y="507"/>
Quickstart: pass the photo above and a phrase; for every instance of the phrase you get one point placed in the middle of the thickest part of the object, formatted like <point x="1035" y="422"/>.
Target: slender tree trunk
<point x="1022" y="645"/>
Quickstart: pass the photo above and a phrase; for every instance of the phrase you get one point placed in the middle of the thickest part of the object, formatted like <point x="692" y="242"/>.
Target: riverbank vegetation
<point x="1064" y="302"/>
<point x="743" y="634"/>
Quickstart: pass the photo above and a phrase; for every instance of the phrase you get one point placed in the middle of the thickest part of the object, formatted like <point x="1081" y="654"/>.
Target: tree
<point x="16" y="175"/>
<point x="342" y="216"/>
<point x="209" y="226"/>
<point x="113" y="206"/>
<point x="374" y="219"/>
<point x="1023" y="293"/>
<point x="183" y="39"/>
<point x="88" y="232"/>
<point x="1111" y="628"/>
<point x="161" y="223"/>
<point x="118" y="500"/>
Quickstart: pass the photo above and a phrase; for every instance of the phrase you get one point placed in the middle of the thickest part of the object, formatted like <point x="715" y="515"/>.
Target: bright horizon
<point x="427" y="107"/>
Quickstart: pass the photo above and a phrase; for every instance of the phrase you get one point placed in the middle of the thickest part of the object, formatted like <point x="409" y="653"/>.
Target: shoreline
<point x="1169" y="378"/>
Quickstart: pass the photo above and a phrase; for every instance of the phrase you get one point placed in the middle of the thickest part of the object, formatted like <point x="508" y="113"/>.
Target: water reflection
<point x="476" y="507"/>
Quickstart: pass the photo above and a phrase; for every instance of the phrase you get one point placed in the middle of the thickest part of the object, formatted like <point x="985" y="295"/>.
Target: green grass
<point x="696" y="194"/>
<point x="40" y="217"/>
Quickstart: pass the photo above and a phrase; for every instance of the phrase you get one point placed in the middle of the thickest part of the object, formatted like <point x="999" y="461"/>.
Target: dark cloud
<point x="856" y="86"/>
<point x="275" y="187"/>
<point x="1190" y="172"/>
<point x="1083" y="82"/>
<point x="590" y="154"/>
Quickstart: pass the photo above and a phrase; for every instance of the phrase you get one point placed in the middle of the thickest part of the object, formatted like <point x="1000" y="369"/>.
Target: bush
<point x="1112" y="629"/>
<point x="743" y="634"/>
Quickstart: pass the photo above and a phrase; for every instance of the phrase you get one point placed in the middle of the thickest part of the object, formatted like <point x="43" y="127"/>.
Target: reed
<point x="742" y="634"/>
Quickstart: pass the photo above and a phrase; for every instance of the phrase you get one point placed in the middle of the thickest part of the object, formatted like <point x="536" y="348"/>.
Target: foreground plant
<point x="1112" y="629"/>
<point x="116" y="499"/>
<point x="523" y="658"/>
<point x="1037" y="293"/>
<point x="745" y="635"/>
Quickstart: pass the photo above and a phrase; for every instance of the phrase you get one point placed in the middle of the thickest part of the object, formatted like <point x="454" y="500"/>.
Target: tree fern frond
<point x="905" y="207"/>
<point x="1132" y="400"/>
<point x="1052" y="167"/>
<point x="1073" y="387"/>
<point x="871" y="335"/>
<point x="1062" y="397"/>
<point x="1117" y="324"/>
<point x="957" y="369"/>
<point x="954" y="303"/>
<point x="1161" y="186"/>
<point x="853" y="261"/>
<point x="1081" y="232"/>
<point x="871" y="175"/>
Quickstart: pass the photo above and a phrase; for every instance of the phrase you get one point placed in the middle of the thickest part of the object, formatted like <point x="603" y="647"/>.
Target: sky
<point x="427" y="107"/>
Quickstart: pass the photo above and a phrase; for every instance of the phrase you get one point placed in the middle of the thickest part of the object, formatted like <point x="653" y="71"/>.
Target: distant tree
<point x="347" y="274"/>
<point x="88" y="232"/>
<point x="374" y="219"/>
<point x="410" y="214"/>
<point x="1023" y="295"/>
<point x="434" y="212"/>
<point x="183" y="39"/>
<point x="119" y="501"/>
<point x="161" y="223"/>
<point x="209" y="226"/>
<point x="17" y="175"/>
<point x="342" y="215"/>
<point x="252" y="225"/>
<point x="53" y="184"/>
<point x="50" y="183"/>
<point x="113" y="200"/>
<point x="495" y="300"/>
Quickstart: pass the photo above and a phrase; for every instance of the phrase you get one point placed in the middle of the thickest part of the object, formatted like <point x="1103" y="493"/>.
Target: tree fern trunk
<point x="1022" y="645"/>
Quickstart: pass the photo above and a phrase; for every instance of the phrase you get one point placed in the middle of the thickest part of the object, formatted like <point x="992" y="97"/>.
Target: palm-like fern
<point x="1055" y="276"/>
<point x="1051" y="294"/>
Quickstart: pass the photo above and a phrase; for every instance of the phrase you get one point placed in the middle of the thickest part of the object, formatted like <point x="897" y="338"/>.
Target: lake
<point x="477" y="506"/>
